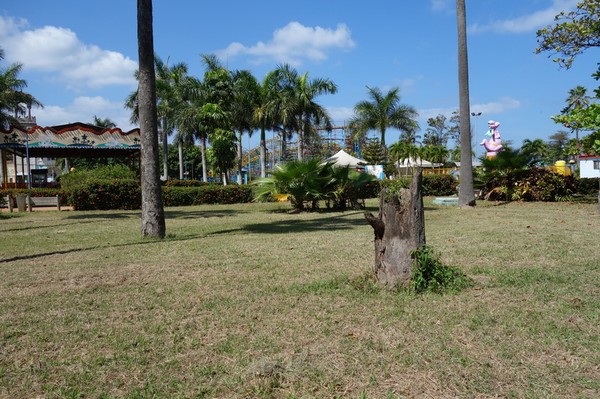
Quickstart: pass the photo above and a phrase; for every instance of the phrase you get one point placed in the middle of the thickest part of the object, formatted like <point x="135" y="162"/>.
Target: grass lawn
<point x="248" y="301"/>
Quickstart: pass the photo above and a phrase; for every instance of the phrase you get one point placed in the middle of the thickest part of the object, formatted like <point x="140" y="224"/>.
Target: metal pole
<point x="27" y="155"/>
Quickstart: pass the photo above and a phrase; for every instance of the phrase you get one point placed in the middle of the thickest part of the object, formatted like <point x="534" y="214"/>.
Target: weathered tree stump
<point x="399" y="229"/>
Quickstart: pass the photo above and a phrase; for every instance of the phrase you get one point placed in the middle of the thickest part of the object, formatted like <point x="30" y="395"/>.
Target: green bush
<point x="439" y="185"/>
<point x="430" y="274"/>
<point x="185" y="183"/>
<point x="109" y="172"/>
<point x="532" y="184"/>
<point x="587" y="186"/>
<point x="206" y="194"/>
<point x="105" y="195"/>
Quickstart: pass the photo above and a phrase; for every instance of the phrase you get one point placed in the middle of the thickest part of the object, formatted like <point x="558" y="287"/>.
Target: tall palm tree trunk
<point x="203" y="156"/>
<point x="180" y="153"/>
<point x="240" y="154"/>
<point x="165" y="150"/>
<point x="153" y="217"/>
<point x="466" y="197"/>
<point x="263" y="153"/>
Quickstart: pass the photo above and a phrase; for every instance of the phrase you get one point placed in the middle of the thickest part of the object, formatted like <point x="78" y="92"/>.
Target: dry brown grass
<point x="247" y="301"/>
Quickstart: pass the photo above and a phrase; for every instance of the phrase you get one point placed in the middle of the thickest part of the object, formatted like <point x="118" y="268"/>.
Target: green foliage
<point x="185" y="183"/>
<point x="223" y="150"/>
<point x="311" y="181"/>
<point x="439" y="185"/>
<point x="534" y="184"/>
<point x="587" y="186"/>
<point x="573" y="33"/>
<point x="108" y="172"/>
<point x="104" y="194"/>
<point x="591" y="143"/>
<point x="430" y="274"/>
<point x="206" y="194"/>
<point x="373" y="152"/>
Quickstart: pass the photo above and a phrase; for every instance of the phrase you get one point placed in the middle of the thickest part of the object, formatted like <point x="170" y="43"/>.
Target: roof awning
<point x="71" y="140"/>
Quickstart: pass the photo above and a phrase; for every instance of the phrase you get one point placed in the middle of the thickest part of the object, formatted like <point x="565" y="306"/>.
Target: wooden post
<point x="399" y="229"/>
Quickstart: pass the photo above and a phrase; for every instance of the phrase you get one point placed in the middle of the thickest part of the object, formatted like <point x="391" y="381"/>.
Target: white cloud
<point x="525" y="23"/>
<point x="340" y="114"/>
<point x="59" y="51"/>
<point x="488" y="110"/>
<point x="440" y="5"/>
<point x="294" y="43"/>
<point x="83" y="109"/>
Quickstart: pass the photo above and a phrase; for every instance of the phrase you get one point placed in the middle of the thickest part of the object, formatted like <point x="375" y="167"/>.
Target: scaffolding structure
<point x="332" y="141"/>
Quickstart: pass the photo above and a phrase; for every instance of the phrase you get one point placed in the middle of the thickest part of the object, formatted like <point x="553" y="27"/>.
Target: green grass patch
<point x="249" y="301"/>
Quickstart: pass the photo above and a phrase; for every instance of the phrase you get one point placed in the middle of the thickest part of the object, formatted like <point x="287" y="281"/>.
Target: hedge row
<point x="126" y="194"/>
<point x="433" y="185"/>
<point x="206" y="194"/>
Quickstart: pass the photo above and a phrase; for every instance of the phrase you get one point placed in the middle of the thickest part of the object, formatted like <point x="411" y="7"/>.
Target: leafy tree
<point x="153" y="217"/>
<point x="373" y="152"/>
<point x="382" y="112"/>
<point x="223" y="152"/>
<point x="572" y="33"/>
<point x="439" y="130"/>
<point x="556" y="146"/>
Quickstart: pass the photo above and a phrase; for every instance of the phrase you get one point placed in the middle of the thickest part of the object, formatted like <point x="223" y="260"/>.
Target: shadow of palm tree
<point x="294" y="225"/>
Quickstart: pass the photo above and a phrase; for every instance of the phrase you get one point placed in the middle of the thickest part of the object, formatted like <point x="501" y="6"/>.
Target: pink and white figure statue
<point x="493" y="144"/>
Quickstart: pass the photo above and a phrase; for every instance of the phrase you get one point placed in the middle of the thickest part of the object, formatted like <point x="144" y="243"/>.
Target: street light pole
<point x="474" y="136"/>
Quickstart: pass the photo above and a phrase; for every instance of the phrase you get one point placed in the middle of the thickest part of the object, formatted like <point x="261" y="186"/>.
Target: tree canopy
<point x="572" y="33"/>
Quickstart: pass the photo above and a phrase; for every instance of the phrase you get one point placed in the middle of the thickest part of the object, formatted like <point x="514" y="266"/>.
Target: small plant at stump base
<point x="430" y="274"/>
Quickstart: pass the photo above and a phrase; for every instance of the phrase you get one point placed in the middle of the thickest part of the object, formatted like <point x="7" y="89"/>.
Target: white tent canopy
<point x="342" y="158"/>
<point x="413" y="163"/>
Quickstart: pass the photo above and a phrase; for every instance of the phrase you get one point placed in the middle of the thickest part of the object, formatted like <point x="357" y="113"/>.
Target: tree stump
<point x="399" y="229"/>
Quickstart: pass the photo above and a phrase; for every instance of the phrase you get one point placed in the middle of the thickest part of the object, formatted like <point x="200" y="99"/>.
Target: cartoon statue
<point x="494" y="143"/>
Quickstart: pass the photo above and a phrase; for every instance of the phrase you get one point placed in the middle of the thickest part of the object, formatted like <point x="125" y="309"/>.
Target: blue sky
<point x="79" y="57"/>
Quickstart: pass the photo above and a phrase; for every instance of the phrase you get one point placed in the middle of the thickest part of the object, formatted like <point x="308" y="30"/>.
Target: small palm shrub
<point x="306" y="183"/>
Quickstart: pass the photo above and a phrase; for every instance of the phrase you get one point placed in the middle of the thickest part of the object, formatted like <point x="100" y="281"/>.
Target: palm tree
<point x="300" y="92"/>
<point x="264" y="115"/>
<point x="436" y="153"/>
<point x="535" y="150"/>
<point x="245" y="101"/>
<point x="466" y="196"/>
<point x="170" y="81"/>
<point x="153" y="217"/>
<point x="103" y="122"/>
<point x="577" y="99"/>
<point x="13" y="101"/>
<point x="382" y="112"/>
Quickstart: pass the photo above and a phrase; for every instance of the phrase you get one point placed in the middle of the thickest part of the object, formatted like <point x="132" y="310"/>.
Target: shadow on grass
<point x="184" y="214"/>
<point x="343" y="221"/>
<point x="107" y="215"/>
<point x="128" y="244"/>
<point x="46" y="226"/>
